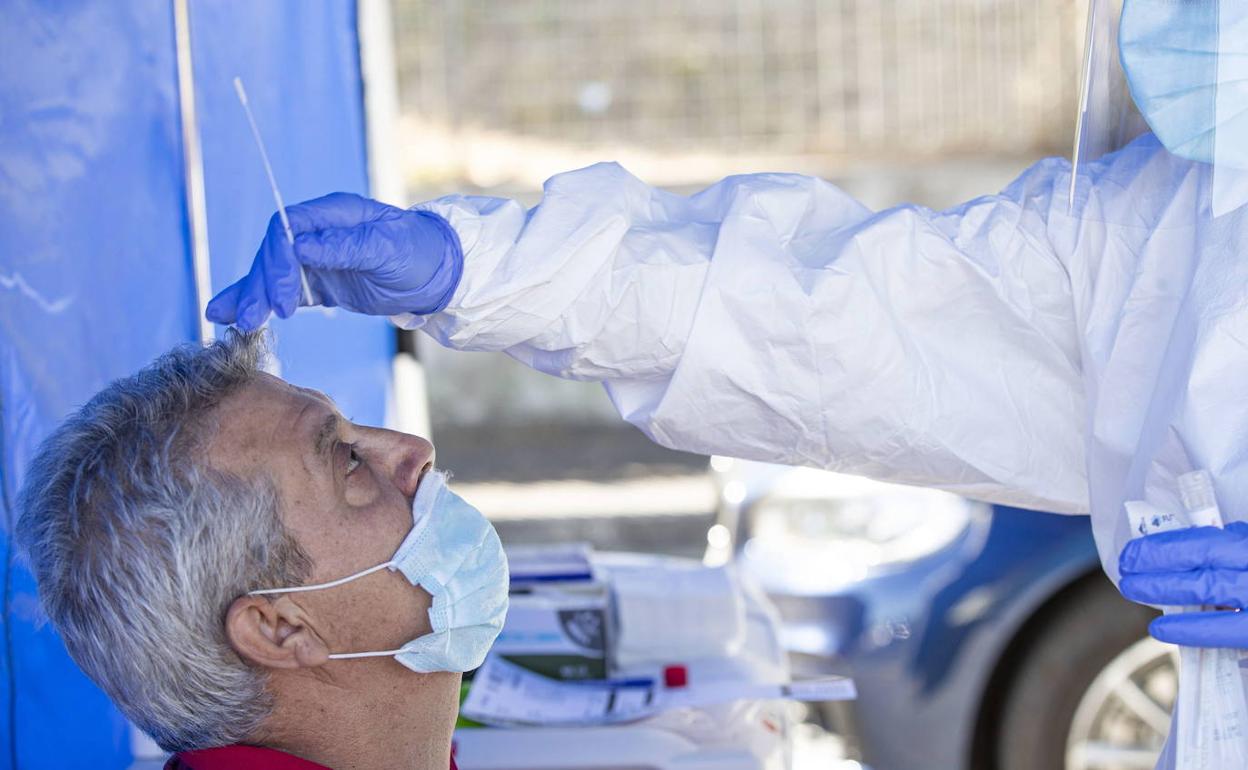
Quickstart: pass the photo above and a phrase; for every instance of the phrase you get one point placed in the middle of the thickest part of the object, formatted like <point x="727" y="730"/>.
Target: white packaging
<point x="561" y="630"/>
<point x="676" y="614"/>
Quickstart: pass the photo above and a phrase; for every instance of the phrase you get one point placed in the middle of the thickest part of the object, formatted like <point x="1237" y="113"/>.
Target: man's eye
<point x="353" y="459"/>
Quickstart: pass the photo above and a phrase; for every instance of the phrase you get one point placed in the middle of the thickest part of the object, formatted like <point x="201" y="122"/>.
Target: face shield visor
<point x="1180" y="69"/>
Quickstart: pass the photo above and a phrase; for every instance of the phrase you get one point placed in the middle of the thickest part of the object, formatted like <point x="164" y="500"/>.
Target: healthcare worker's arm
<point x="775" y="318"/>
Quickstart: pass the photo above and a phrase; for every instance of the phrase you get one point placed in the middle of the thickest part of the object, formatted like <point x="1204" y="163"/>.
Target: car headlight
<point x="818" y="527"/>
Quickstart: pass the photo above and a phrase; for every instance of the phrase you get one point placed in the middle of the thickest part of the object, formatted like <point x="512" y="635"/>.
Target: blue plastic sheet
<point x="94" y="281"/>
<point x="95" y="262"/>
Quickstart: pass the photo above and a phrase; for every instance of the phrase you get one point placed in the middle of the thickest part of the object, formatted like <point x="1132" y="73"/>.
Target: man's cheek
<point x="401" y="615"/>
<point x="363" y="492"/>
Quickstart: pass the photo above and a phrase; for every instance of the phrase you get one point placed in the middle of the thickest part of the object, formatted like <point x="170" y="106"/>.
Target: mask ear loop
<point x="333" y="584"/>
<point x="320" y="586"/>
<point x="379" y="654"/>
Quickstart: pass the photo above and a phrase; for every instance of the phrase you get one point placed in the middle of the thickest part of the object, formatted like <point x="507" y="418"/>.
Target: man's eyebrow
<point x="324" y="437"/>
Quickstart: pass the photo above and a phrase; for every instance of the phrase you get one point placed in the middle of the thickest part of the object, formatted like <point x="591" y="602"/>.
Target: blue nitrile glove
<point x="1200" y="565"/>
<point x="357" y="254"/>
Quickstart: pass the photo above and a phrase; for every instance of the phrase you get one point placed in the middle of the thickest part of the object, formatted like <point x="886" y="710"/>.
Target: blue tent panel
<point x="94" y="282"/>
<point x="95" y="264"/>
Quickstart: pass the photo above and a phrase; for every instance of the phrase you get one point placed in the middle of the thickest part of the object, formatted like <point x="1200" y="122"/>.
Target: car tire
<point x="1073" y="641"/>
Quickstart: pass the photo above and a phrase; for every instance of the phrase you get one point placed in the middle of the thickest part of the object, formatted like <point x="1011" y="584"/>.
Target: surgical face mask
<point x="453" y="553"/>
<point x="1187" y="65"/>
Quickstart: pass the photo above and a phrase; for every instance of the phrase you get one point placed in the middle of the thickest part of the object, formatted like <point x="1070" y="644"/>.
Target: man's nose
<point x="406" y="457"/>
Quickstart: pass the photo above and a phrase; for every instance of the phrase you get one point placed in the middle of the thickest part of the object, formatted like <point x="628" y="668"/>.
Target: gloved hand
<point x="357" y="254"/>
<point x="1200" y="565"/>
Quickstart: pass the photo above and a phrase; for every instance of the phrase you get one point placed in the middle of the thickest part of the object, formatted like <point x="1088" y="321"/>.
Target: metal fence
<point x="874" y="78"/>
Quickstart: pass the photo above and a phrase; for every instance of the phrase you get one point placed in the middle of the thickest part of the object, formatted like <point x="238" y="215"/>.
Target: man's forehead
<point x="269" y="414"/>
<point x="313" y="393"/>
<point x="267" y="387"/>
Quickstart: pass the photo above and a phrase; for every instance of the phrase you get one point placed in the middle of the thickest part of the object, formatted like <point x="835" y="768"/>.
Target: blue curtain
<point x="95" y="264"/>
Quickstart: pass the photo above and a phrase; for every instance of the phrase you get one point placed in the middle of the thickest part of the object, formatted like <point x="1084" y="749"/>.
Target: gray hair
<point x="139" y="547"/>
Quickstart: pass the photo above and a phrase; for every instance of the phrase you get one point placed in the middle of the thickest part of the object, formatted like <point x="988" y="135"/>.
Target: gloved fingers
<point x="338" y="248"/>
<point x="275" y="282"/>
<point x="1187" y="549"/>
<point x="1202" y="629"/>
<point x="282" y="278"/>
<point x="251" y="294"/>
<point x="253" y="302"/>
<point x="389" y="242"/>
<point x="1222" y="587"/>
<point x="285" y="291"/>
<point x="223" y="308"/>
<point x="339" y="209"/>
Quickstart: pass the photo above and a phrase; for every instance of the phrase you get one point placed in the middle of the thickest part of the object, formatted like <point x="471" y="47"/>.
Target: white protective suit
<point x="1007" y="349"/>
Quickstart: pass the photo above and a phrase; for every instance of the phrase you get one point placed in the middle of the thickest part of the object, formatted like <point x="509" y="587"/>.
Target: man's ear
<point x="273" y="633"/>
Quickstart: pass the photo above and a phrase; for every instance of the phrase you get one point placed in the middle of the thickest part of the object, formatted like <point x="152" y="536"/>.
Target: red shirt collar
<point x="242" y="758"/>
<point x="239" y="758"/>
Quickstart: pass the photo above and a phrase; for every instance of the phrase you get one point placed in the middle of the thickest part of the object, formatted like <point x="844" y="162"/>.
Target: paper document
<point x="504" y="693"/>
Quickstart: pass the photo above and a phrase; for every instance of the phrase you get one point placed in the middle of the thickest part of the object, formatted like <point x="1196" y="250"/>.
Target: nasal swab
<point x="277" y="194"/>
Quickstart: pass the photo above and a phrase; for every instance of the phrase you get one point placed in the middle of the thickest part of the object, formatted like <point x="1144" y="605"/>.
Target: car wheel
<point x="1093" y="690"/>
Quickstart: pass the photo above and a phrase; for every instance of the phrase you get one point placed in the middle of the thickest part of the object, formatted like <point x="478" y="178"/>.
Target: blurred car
<point x="981" y="637"/>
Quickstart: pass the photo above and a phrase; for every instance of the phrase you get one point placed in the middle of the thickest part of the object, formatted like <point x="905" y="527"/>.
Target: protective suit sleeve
<point x="773" y="317"/>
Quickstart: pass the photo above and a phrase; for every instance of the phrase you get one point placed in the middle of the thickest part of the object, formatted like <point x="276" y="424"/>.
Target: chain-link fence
<point x="867" y="78"/>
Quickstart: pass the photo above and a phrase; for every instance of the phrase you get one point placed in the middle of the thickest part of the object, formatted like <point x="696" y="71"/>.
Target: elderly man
<point x="182" y="526"/>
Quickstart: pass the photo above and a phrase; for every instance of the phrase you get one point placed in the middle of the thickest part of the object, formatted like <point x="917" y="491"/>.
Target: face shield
<point x="1178" y="68"/>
